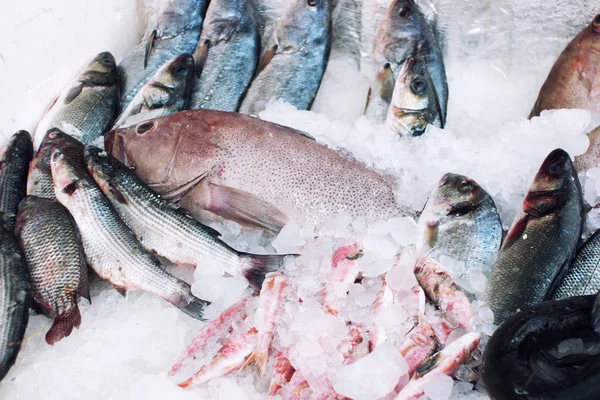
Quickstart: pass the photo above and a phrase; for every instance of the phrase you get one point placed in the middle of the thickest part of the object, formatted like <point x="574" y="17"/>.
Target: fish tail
<point x="63" y="325"/>
<point x="195" y="308"/>
<point x="258" y="266"/>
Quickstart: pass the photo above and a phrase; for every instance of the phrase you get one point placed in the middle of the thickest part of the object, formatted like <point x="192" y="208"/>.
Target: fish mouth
<point x="416" y="124"/>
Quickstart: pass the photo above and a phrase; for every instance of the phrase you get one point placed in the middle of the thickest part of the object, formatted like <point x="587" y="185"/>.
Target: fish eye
<point x="106" y="60"/>
<point x="557" y="167"/>
<point x="596" y="23"/>
<point x="144" y="127"/>
<point x="465" y="186"/>
<point x="312" y="3"/>
<point x="358" y="340"/>
<point x="404" y="11"/>
<point x="180" y="71"/>
<point x="418" y="131"/>
<point x="418" y="86"/>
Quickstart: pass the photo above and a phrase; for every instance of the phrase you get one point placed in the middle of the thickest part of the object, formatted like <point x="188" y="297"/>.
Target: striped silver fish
<point x="14" y="161"/>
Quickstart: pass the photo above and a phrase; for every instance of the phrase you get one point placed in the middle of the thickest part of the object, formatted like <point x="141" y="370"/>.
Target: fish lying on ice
<point x="14" y="161"/>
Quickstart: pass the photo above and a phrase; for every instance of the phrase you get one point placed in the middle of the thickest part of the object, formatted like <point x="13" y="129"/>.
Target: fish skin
<point x="14" y="300"/>
<point x="167" y="92"/>
<point x="230" y="38"/>
<point x="49" y="239"/>
<point x="109" y="246"/>
<point x="295" y="58"/>
<point x="420" y="343"/>
<point x="177" y="30"/>
<point x="460" y="221"/>
<point x="283" y="371"/>
<point x="14" y="161"/>
<point x="405" y="33"/>
<point x="271" y="162"/>
<point x="167" y="231"/>
<point x="86" y="107"/>
<point x="541" y="242"/>
<point x="517" y="363"/>
<point x="39" y="178"/>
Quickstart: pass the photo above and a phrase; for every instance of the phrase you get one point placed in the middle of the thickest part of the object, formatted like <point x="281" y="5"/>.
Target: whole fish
<point x="226" y="56"/>
<point x="39" y="179"/>
<point x="14" y="300"/>
<point x="573" y="83"/>
<point x="87" y="106"/>
<point x="293" y="64"/>
<point x="520" y="360"/>
<point x="50" y="242"/>
<point x="542" y="241"/>
<point x="177" y="29"/>
<point x="255" y="172"/>
<point x="109" y="246"/>
<point x="167" y="92"/>
<point x="414" y="103"/>
<point x="460" y="221"/>
<point x="165" y="230"/>
<point x="14" y="161"/>
<point x="405" y="33"/>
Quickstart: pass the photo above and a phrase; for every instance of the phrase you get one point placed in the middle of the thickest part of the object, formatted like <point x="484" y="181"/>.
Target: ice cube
<point x="382" y="246"/>
<point x="404" y="230"/>
<point x="439" y="387"/>
<point x="289" y="239"/>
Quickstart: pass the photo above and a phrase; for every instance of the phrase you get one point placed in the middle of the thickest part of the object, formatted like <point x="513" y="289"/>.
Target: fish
<point x="14" y="299"/>
<point x="39" y="178"/>
<point x="521" y="359"/>
<point x="14" y="161"/>
<point x="419" y="345"/>
<point x="541" y="242"/>
<point x="226" y="165"/>
<point x="168" y="231"/>
<point x="283" y="371"/>
<point x="405" y="33"/>
<point x="87" y="106"/>
<point x="167" y="92"/>
<point x="226" y="57"/>
<point x="176" y="31"/>
<point x="294" y="61"/>
<point x="380" y="95"/>
<point x="48" y="237"/>
<point x="110" y="248"/>
<point x="572" y="83"/>
<point x="460" y="221"/>
<point x="414" y="105"/>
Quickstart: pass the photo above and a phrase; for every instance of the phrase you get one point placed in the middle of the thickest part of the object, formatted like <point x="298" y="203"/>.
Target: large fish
<point x="110" y="247"/>
<point x="87" y="106"/>
<point x="14" y="161"/>
<point x="542" y="241"/>
<point x="176" y="32"/>
<point x="226" y="56"/>
<point x="167" y="92"/>
<point x="574" y="82"/>
<point x="168" y="231"/>
<point x="251" y="171"/>
<point x="295" y="59"/>
<point x="14" y="300"/>
<point x="50" y="242"/>
<point x="460" y="221"/>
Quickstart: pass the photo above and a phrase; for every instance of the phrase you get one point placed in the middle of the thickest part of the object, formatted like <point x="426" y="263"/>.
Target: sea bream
<point x="232" y="166"/>
<point x="14" y="161"/>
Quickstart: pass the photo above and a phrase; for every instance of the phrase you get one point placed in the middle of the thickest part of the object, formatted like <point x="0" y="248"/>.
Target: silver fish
<point x="14" y="160"/>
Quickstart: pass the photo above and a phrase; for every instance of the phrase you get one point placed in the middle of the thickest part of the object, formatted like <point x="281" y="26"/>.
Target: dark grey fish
<point x="226" y="56"/>
<point x="57" y="269"/>
<point x="293" y="63"/>
<point x="14" y="300"/>
<point x="14" y="162"/>
<point x="86" y="108"/>
<point x="176" y="32"/>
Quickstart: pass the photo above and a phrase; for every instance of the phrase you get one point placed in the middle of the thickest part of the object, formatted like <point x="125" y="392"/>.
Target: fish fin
<point x="259" y="265"/>
<point x="596" y="314"/>
<point x="73" y="93"/>
<point x="121" y="290"/>
<point x="116" y="194"/>
<point x="149" y="44"/>
<point x="195" y="308"/>
<point x="51" y="105"/>
<point x="244" y="207"/>
<point x="84" y="288"/>
<point x="431" y="233"/>
<point x="200" y="56"/>
<point x="178" y="193"/>
<point x="63" y="325"/>
<point x="266" y="59"/>
<point x="385" y="83"/>
<point x="516" y="232"/>
<point x="123" y="117"/>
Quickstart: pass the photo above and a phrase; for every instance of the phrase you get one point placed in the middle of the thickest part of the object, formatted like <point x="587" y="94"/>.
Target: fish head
<point x="177" y="16"/>
<point x="402" y="24"/>
<point x="456" y="195"/>
<point x="172" y="82"/>
<point x="104" y="168"/>
<point x="68" y="177"/>
<point x="29" y="207"/>
<point x="292" y="33"/>
<point x="100" y="71"/>
<point x="19" y="143"/>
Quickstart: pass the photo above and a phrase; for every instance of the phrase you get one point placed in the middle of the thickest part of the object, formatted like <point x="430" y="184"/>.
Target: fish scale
<point x="14" y="160"/>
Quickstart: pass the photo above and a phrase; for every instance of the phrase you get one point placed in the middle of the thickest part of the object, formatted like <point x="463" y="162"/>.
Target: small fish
<point x="343" y="273"/>
<point x="420" y="343"/>
<point x="57" y="268"/>
<point x="295" y="59"/>
<point x="167" y="92"/>
<point x="87" y="106"/>
<point x="14" y="161"/>
<point x="110" y="248"/>
<point x="282" y="373"/>
<point x="226" y="57"/>
<point x="542" y="241"/>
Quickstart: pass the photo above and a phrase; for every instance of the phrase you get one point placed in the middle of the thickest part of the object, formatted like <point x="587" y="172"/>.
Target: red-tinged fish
<point x="358" y="341"/>
<point x="297" y="386"/>
<point x="420" y="343"/>
<point x="226" y="165"/>
<point x="445" y="362"/>
<point x="344" y="269"/>
<point x="442" y="328"/>
<point x="217" y="327"/>
<point x="283" y="371"/>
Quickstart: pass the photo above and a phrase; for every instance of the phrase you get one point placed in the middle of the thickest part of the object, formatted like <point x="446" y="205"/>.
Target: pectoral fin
<point x="149" y="44"/>
<point x="266" y="59"/>
<point x="200" y="56"/>
<point x="73" y="92"/>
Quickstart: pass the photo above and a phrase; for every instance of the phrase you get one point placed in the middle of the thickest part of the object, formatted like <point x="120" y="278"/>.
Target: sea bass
<point x="226" y="56"/>
<point x="176" y="32"/>
<point x="50" y="242"/>
<point x="542" y="240"/>
<point x="295" y="59"/>
<point x="255" y="172"/>
<point x="87" y="106"/>
<point x="14" y="161"/>
<point x="109" y="246"/>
